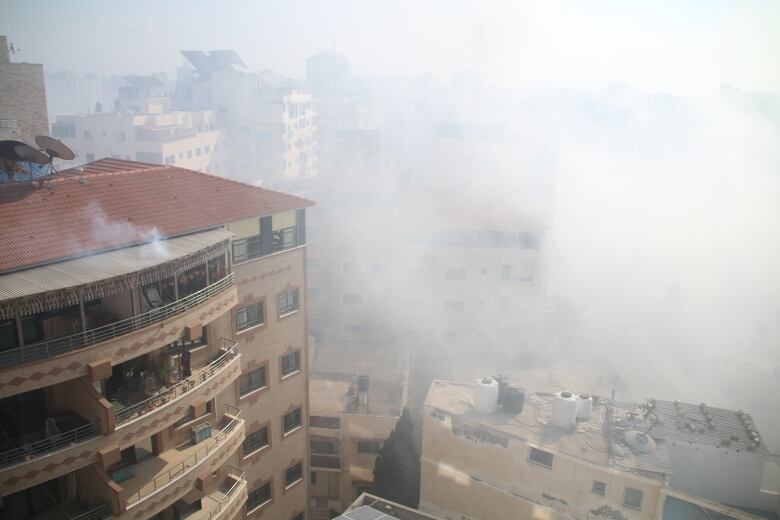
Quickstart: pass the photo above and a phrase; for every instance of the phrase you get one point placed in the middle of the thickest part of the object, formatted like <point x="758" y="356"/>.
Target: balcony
<point x="159" y="481"/>
<point x="68" y="357"/>
<point x="253" y="247"/>
<point x="78" y="447"/>
<point x="225" y="502"/>
<point x="325" y="461"/>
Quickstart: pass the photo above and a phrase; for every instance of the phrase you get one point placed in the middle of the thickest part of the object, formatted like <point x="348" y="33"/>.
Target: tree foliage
<point x="397" y="468"/>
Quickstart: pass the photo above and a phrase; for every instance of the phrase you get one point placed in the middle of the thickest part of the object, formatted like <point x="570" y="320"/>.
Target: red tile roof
<point x="111" y="203"/>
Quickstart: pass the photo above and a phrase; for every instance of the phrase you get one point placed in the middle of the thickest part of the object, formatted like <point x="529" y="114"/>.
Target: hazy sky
<point x="681" y="47"/>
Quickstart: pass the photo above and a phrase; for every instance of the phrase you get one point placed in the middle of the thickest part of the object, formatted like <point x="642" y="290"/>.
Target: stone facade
<point x="23" y="100"/>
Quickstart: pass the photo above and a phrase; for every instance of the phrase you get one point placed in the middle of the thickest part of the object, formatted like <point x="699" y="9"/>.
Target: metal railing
<point x="225" y="499"/>
<point x="43" y="446"/>
<point x="246" y="248"/>
<point x="96" y="513"/>
<point x="190" y="463"/>
<point x="59" y="346"/>
<point x="181" y="388"/>
<point x="286" y="238"/>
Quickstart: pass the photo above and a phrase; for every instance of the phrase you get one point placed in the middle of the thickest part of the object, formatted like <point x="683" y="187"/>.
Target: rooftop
<point x="333" y="393"/>
<point x="370" y="507"/>
<point x="602" y="439"/>
<point x="114" y="203"/>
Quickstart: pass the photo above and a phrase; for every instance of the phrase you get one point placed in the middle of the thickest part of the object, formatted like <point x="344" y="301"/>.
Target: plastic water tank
<point x="584" y="407"/>
<point x="564" y="411"/>
<point x="486" y="395"/>
<point x="514" y="399"/>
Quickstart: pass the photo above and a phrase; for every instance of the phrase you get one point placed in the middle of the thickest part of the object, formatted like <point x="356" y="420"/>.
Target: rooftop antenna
<point x="54" y="148"/>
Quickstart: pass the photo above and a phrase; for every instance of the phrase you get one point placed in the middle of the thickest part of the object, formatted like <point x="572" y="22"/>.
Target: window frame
<point x="248" y="453"/>
<point x="599" y="488"/>
<point x="628" y="490"/>
<point x="534" y="451"/>
<point x="261" y="316"/>
<point x="241" y="393"/>
<point x="295" y="428"/>
<point x="289" y="309"/>
<point x="270" y="498"/>
<point x="298" y="464"/>
<point x="298" y="368"/>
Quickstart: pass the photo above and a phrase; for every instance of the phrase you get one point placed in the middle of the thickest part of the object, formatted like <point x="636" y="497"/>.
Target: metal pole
<point x="19" y="329"/>
<point x="175" y="287"/>
<point x="82" y="311"/>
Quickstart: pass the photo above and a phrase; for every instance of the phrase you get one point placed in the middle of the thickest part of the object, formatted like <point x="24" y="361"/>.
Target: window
<point x="252" y="381"/>
<point x="599" y="488"/>
<point x="197" y="152"/>
<point x="120" y="136"/>
<point x="319" y="421"/>
<point x="189" y="154"/>
<point x="454" y="305"/>
<point x="291" y="363"/>
<point x="369" y="446"/>
<point x="456" y="274"/>
<point x="299" y="516"/>
<point x="352" y="298"/>
<point x="249" y="316"/>
<point x="256" y="440"/>
<point x="259" y="497"/>
<point x="207" y="148"/>
<point x="506" y="272"/>
<point x="313" y="477"/>
<point x="293" y="474"/>
<point x="288" y="302"/>
<point x="88" y="135"/>
<point x="633" y="498"/>
<point x="541" y="457"/>
<point x="292" y="420"/>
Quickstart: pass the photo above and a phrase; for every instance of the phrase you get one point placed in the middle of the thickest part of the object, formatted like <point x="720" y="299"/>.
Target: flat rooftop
<point x="332" y="393"/>
<point x="371" y="507"/>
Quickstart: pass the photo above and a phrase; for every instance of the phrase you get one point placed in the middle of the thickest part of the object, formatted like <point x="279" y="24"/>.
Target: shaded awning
<point x="62" y="284"/>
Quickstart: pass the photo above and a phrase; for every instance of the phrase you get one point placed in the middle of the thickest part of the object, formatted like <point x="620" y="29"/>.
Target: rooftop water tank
<point x="486" y="395"/>
<point x="514" y="399"/>
<point x="564" y="411"/>
<point x="584" y="407"/>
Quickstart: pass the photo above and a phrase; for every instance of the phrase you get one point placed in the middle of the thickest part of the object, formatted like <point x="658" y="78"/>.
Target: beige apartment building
<point x="152" y="347"/>
<point x="23" y="100"/>
<point x="355" y="401"/>
<point x="561" y="456"/>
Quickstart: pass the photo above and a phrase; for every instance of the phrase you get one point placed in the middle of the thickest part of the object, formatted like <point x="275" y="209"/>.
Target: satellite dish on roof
<point x="640" y="442"/>
<point x="27" y="153"/>
<point x="55" y="148"/>
<point x="8" y="150"/>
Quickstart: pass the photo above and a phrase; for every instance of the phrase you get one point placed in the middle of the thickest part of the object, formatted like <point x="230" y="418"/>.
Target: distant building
<point x="22" y="98"/>
<point x="68" y="92"/>
<point x="566" y="457"/>
<point x="268" y="123"/>
<point x="355" y="400"/>
<point x="153" y="355"/>
<point x="371" y="507"/>
<point x="327" y="74"/>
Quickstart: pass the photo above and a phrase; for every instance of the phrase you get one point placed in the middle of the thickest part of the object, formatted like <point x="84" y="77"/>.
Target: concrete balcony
<point x="325" y="461"/>
<point x="226" y="502"/>
<point x="159" y="481"/>
<point x="26" y="466"/>
<point x="50" y="362"/>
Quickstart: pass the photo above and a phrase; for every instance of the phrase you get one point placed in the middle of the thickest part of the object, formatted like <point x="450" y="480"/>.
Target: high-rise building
<point x="565" y="456"/>
<point x="153" y="347"/>
<point x="23" y="100"/>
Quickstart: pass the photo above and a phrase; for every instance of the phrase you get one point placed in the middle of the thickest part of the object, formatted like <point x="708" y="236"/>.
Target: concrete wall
<point x="23" y="99"/>
<point x="487" y="480"/>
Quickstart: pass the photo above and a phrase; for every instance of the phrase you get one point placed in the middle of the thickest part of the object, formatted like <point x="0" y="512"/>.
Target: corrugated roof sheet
<point x="112" y="203"/>
<point x="101" y="266"/>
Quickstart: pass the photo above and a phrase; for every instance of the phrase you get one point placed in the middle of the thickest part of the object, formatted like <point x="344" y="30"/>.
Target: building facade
<point x="23" y="103"/>
<point x="154" y="352"/>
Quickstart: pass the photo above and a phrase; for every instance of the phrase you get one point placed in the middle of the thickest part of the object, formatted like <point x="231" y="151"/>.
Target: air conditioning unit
<point x="201" y="432"/>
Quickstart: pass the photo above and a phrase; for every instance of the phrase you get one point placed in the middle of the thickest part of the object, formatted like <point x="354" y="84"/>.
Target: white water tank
<point x="486" y="395"/>
<point x="584" y="407"/>
<point x="564" y="411"/>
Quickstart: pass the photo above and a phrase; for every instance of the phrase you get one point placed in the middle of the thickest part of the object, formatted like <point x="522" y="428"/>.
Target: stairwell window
<point x="293" y="475"/>
<point x="599" y="488"/>
<point x="292" y="421"/>
<point x="545" y="458"/>
<point x="632" y="498"/>
<point x="291" y="363"/>
<point x="288" y="302"/>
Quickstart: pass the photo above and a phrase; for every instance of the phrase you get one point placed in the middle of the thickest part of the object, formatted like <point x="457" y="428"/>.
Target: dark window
<point x="292" y="420"/>
<point x="256" y="440"/>
<point x="253" y="380"/>
<point x="288" y="302"/>
<point x="299" y="516"/>
<point x="599" y="488"/>
<point x="293" y="474"/>
<point x="318" y="421"/>
<point x="370" y="446"/>
<point x="633" y="498"/>
<point x="541" y="457"/>
<point x="313" y="477"/>
<point x="291" y="363"/>
<point x="259" y="496"/>
<point x="249" y="316"/>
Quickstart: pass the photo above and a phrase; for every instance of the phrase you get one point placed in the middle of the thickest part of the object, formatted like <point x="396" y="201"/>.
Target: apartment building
<point x="561" y="456"/>
<point x="188" y="140"/>
<point x="23" y="103"/>
<point x="356" y="398"/>
<point x="153" y="362"/>
<point x="268" y="122"/>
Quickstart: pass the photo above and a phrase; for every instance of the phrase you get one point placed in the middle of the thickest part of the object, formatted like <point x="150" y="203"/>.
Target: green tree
<point x="397" y="468"/>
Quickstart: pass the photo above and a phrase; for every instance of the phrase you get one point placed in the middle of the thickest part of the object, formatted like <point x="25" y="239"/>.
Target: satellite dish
<point x="29" y="154"/>
<point x="55" y="148"/>
<point x="8" y="150"/>
<point x="640" y="442"/>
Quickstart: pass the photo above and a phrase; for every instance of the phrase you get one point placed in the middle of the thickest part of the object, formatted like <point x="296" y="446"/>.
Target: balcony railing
<point x="44" y="446"/>
<point x="190" y="463"/>
<point x="246" y="248"/>
<point x="181" y="388"/>
<point x="229" y="495"/>
<point x="96" y="513"/>
<point x="285" y="239"/>
<point x="251" y="247"/>
<point x="59" y="346"/>
<point x="325" y="461"/>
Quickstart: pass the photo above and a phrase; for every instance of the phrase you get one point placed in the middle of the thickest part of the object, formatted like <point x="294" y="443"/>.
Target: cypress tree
<point x="397" y="468"/>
